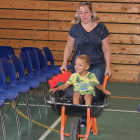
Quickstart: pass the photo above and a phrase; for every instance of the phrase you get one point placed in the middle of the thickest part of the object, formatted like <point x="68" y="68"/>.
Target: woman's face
<point x="85" y="14"/>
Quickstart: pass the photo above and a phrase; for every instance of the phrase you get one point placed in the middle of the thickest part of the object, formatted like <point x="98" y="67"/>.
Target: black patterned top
<point x="89" y="43"/>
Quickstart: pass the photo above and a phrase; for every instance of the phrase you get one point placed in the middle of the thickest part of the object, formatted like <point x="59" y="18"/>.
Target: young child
<point x="83" y="82"/>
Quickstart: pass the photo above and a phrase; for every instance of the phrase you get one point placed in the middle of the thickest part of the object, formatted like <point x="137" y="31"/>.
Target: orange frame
<point x="91" y="121"/>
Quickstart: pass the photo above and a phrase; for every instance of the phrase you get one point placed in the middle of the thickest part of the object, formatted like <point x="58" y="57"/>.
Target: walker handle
<point x="105" y="80"/>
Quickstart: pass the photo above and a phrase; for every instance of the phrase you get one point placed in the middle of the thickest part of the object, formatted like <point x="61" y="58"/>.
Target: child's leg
<point x="88" y="99"/>
<point x="77" y="98"/>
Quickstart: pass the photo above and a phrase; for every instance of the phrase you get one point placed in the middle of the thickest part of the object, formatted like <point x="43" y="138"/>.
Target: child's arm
<point x="100" y="87"/>
<point x="66" y="85"/>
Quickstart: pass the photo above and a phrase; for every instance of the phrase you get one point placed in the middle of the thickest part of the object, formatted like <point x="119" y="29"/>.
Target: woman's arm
<point x="100" y="87"/>
<point x="107" y="55"/>
<point x="67" y="52"/>
<point x="66" y="85"/>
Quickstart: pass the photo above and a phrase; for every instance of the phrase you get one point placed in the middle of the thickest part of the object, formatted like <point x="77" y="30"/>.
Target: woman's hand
<point x="63" y="68"/>
<point x="107" y="92"/>
<point x="53" y="90"/>
<point x="108" y="71"/>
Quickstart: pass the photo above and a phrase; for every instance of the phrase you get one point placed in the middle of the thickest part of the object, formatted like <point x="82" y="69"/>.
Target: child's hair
<point x="85" y="57"/>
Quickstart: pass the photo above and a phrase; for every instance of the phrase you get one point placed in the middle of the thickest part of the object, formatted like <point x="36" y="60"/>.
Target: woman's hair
<point x="77" y="19"/>
<point x="84" y="57"/>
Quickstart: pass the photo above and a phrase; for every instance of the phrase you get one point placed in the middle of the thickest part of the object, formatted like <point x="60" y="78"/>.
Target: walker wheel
<point x="75" y="129"/>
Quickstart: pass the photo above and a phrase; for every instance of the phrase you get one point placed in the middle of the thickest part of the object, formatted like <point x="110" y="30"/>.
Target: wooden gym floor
<point x="119" y="121"/>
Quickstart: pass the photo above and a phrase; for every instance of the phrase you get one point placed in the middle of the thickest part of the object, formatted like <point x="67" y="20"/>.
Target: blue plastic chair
<point x="13" y="84"/>
<point x="7" y="71"/>
<point x="18" y="69"/>
<point x="33" y="81"/>
<point x="36" y="65"/>
<point x="34" y="61"/>
<point x="43" y="62"/>
<point x="6" y="51"/>
<point x="49" y="57"/>
<point x="9" y="95"/>
<point x="25" y="49"/>
<point x="27" y="64"/>
<point x="2" y="118"/>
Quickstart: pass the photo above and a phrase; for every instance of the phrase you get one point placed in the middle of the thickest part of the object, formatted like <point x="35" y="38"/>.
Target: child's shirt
<point x="83" y="85"/>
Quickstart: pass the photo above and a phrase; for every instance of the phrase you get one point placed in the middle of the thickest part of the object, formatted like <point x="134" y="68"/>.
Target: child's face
<point x="80" y="65"/>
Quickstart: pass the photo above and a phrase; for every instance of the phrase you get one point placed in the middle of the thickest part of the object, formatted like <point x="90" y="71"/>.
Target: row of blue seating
<point x="35" y="63"/>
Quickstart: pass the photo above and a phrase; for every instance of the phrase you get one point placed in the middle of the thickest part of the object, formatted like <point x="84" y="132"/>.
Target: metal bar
<point x="17" y="117"/>
<point x="18" y="99"/>
<point x="38" y="103"/>
<point x="24" y="101"/>
<point x="65" y="120"/>
<point x="94" y="126"/>
<point x="28" y="109"/>
<point x="3" y="124"/>
<point x="44" y="97"/>
<point x="67" y="135"/>
<point x="62" y="122"/>
<point x="88" y="124"/>
<point x="8" y="108"/>
<point x="33" y="93"/>
<point x="19" y="96"/>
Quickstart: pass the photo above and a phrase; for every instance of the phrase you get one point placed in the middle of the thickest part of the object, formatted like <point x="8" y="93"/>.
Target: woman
<point x="90" y="37"/>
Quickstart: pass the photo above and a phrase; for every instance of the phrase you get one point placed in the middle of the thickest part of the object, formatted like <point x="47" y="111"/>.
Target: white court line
<point x="121" y="111"/>
<point x="59" y="119"/>
<point x="104" y="109"/>
<point x="48" y="131"/>
<point x="31" y="104"/>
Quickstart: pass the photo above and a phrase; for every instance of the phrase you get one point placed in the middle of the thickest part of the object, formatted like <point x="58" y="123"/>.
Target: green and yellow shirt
<point x="83" y="85"/>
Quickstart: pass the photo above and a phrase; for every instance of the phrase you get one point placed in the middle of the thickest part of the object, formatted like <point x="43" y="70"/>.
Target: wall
<point x="24" y="23"/>
<point x="46" y="24"/>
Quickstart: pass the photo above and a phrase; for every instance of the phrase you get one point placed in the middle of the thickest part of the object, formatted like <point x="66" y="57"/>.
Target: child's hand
<point x="107" y="92"/>
<point x="53" y="90"/>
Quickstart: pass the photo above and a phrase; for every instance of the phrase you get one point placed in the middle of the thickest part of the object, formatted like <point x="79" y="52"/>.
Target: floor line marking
<point x="57" y="121"/>
<point x="124" y="97"/>
<point x="121" y="111"/>
<point x="49" y="131"/>
<point x="19" y="112"/>
<point x="31" y="105"/>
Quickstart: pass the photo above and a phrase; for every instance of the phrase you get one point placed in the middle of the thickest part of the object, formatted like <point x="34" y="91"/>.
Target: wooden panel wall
<point x="24" y="23"/>
<point x="122" y="20"/>
<point x="46" y="23"/>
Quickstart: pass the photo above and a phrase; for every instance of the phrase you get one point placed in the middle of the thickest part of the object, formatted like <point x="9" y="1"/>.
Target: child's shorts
<point x="93" y="101"/>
